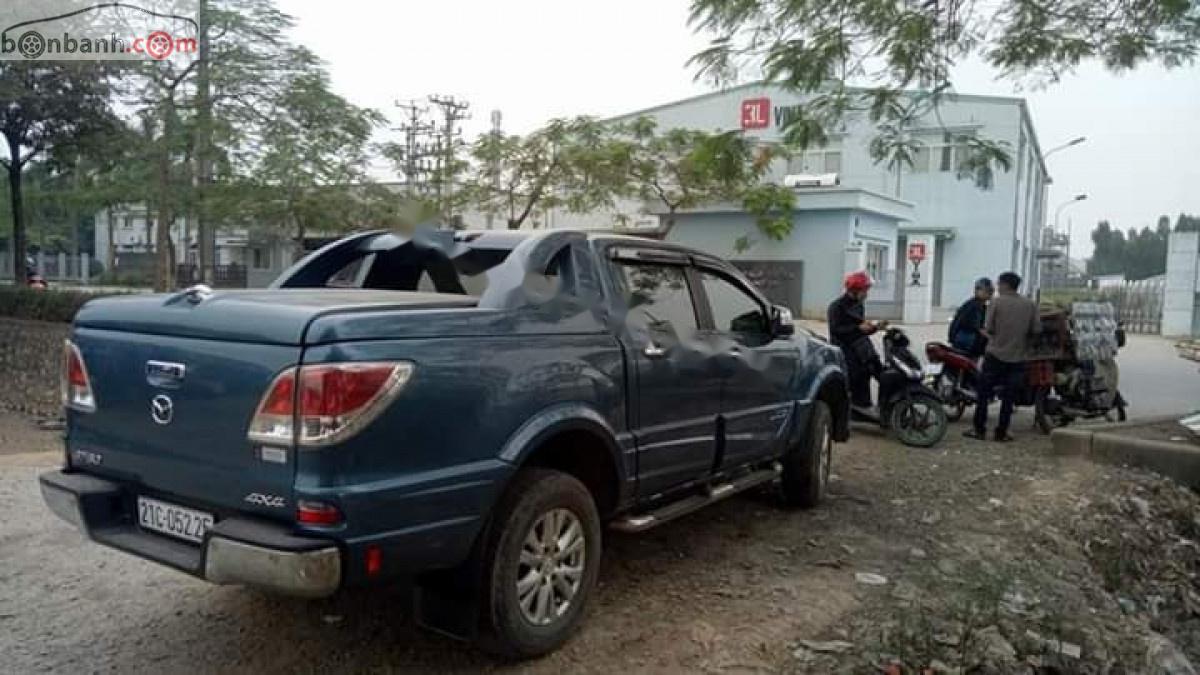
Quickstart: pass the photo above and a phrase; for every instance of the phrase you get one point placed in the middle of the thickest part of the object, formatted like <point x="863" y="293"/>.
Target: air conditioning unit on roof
<point x="807" y="180"/>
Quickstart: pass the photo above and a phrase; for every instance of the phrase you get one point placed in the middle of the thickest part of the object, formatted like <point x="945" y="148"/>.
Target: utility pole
<point x="494" y="169"/>
<point x="205" y="230"/>
<point x="419" y="146"/>
<point x="448" y="142"/>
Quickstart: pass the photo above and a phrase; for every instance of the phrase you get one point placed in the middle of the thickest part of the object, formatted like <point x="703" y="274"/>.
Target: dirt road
<point x="987" y="554"/>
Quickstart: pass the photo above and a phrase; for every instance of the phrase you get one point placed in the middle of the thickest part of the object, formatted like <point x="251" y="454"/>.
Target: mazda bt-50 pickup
<point x="463" y="409"/>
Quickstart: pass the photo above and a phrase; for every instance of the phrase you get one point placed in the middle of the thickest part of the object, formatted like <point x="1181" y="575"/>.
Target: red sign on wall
<point x="756" y="113"/>
<point x="916" y="252"/>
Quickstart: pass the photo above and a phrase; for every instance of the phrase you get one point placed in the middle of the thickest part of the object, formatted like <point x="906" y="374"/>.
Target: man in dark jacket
<point x="966" y="330"/>
<point x="1011" y="321"/>
<point x="849" y="330"/>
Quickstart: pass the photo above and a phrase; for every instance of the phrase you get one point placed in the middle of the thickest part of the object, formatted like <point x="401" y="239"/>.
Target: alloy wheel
<point x="553" y="556"/>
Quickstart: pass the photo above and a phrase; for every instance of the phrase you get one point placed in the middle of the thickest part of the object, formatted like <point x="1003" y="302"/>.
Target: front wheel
<point x="919" y="419"/>
<point x="1041" y="410"/>
<point x="541" y="559"/>
<point x="806" y="465"/>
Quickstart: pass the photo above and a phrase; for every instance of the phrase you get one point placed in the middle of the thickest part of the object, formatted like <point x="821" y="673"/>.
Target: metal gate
<point x="1138" y="304"/>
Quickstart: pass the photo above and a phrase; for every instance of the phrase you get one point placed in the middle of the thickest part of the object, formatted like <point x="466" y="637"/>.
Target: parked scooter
<point x="1060" y="390"/>
<point x="908" y="408"/>
<point x="34" y="279"/>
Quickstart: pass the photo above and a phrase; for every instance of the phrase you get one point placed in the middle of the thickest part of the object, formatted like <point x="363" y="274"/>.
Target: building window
<point x="128" y="225"/>
<point x="962" y="153"/>
<point x="946" y="151"/>
<point x="261" y="258"/>
<point x="921" y="160"/>
<point x="816" y="161"/>
<point x="877" y="261"/>
<point x="833" y="162"/>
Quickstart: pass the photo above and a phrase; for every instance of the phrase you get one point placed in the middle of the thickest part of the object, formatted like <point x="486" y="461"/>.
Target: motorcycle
<point x="1060" y="388"/>
<point x="907" y="408"/>
<point x="34" y="279"/>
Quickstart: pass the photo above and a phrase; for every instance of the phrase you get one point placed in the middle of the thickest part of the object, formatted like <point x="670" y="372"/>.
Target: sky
<point x="535" y="60"/>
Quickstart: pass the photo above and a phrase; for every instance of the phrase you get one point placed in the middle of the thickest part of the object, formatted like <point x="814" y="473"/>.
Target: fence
<point x="60" y="267"/>
<point x="1138" y="304"/>
<point x="224" y="276"/>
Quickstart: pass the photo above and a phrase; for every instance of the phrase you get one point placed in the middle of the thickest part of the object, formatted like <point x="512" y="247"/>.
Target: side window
<point x="658" y="299"/>
<point x="733" y="310"/>
<point x="352" y="274"/>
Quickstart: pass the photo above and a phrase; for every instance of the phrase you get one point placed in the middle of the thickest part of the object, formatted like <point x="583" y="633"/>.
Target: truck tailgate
<point x="194" y="452"/>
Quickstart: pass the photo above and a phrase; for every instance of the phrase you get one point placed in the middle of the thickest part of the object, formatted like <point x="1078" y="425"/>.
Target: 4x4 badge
<point x="273" y="501"/>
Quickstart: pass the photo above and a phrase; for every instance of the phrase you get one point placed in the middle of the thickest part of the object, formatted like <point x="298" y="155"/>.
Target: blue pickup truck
<point x="463" y="409"/>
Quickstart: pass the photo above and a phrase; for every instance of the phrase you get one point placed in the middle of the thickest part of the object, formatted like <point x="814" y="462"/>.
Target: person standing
<point x="966" y="330"/>
<point x="849" y="329"/>
<point x="1010" y="322"/>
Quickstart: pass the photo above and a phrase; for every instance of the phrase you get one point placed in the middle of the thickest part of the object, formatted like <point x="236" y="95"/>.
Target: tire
<point x="1119" y="404"/>
<point x="925" y="408"/>
<point x="807" y="463"/>
<point x="948" y="388"/>
<point x="955" y="411"/>
<point x="537" y="499"/>
<point x="1041" y="419"/>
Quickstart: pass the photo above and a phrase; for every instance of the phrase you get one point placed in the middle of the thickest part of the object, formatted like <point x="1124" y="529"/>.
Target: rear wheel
<point x="919" y="420"/>
<point x="541" y="559"/>
<point x="807" y="464"/>
<point x="1119" y="404"/>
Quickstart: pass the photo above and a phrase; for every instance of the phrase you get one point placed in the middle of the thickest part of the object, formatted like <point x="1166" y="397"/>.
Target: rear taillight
<point x="317" y="513"/>
<point x="325" y="403"/>
<point x="76" y="385"/>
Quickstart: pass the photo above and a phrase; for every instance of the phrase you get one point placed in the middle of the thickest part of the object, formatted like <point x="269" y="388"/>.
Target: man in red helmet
<point x="849" y="329"/>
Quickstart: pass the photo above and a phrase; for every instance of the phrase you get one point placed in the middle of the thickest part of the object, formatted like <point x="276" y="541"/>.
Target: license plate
<point x="933" y="369"/>
<point x="173" y="520"/>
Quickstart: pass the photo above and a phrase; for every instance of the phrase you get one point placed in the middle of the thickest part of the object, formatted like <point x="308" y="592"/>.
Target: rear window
<point x="408" y="268"/>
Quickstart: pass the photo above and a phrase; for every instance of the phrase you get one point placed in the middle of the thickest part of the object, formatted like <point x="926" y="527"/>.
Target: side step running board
<point x="640" y="522"/>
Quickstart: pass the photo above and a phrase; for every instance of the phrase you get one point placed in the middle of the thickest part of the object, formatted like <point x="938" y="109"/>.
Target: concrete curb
<point x="1104" y="443"/>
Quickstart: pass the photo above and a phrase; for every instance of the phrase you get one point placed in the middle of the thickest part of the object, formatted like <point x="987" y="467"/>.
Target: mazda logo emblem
<point x="162" y="409"/>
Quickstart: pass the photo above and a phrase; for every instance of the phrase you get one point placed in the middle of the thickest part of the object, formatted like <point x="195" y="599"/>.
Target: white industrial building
<point x="967" y="232"/>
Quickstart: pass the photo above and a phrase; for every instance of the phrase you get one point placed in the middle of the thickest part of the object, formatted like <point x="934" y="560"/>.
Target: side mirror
<point x="782" y="323"/>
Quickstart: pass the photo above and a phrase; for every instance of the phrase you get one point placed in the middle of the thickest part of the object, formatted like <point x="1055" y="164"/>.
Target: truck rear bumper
<point x="236" y="550"/>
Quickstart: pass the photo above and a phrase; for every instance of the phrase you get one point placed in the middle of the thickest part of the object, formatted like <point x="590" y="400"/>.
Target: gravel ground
<point x="734" y="588"/>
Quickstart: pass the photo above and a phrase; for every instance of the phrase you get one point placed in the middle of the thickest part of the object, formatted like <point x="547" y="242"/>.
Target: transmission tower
<point x="420" y="150"/>
<point x="449" y="142"/>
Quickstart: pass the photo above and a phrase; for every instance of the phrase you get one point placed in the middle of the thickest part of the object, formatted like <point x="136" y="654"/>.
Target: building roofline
<point x="956" y="96"/>
<point x="891" y="207"/>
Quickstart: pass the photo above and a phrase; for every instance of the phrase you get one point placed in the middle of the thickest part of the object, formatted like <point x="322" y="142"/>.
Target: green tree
<point x="315" y="151"/>
<point x="567" y="163"/>
<point x="1187" y="223"/>
<point x="820" y="48"/>
<point x="681" y="169"/>
<point x="1108" y="255"/>
<point x="45" y="107"/>
<point x="1137" y="254"/>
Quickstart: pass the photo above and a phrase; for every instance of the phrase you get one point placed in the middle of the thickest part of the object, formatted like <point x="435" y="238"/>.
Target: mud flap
<point x="447" y="602"/>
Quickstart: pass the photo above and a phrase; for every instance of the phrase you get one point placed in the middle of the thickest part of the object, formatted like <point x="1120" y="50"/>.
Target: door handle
<point x="653" y="351"/>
